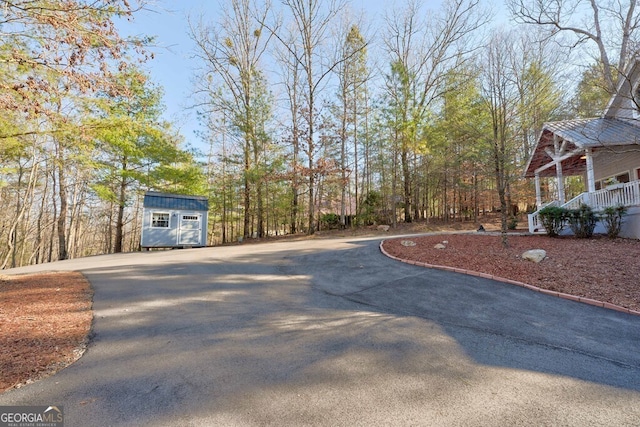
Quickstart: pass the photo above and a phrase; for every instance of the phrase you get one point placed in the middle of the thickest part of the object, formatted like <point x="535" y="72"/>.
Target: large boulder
<point x="383" y="228"/>
<point x="535" y="255"/>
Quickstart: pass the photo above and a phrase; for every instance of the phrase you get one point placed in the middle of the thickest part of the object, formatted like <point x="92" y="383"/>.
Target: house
<point x="604" y="150"/>
<point x="173" y="221"/>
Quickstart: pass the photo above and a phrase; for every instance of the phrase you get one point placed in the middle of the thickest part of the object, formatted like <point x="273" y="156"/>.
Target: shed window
<point x="160" y="220"/>
<point x="189" y="217"/>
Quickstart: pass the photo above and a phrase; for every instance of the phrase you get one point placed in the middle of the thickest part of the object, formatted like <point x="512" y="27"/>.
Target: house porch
<point x="621" y="194"/>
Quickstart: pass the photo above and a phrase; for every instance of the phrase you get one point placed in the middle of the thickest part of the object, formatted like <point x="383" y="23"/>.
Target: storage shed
<point x="174" y="221"/>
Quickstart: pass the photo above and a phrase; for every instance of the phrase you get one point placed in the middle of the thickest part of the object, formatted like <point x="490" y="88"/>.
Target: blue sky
<point x="173" y="67"/>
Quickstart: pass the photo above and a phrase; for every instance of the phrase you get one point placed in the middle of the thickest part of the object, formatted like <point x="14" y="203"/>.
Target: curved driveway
<point x="331" y="332"/>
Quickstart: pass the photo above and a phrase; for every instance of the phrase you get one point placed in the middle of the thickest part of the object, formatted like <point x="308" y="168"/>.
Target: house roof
<point x="591" y="133"/>
<point x="579" y="134"/>
<point x="628" y="82"/>
<point x="568" y="140"/>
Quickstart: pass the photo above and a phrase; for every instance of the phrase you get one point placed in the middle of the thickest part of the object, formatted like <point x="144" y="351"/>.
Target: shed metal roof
<point x="153" y="199"/>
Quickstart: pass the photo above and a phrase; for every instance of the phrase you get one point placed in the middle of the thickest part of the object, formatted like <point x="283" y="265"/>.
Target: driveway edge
<point x="514" y="282"/>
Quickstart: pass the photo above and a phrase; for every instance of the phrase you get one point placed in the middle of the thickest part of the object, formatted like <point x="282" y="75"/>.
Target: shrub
<point x="582" y="221"/>
<point x="553" y="219"/>
<point x="512" y="224"/>
<point x="370" y="209"/>
<point x="330" y="220"/>
<point x="612" y="218"/>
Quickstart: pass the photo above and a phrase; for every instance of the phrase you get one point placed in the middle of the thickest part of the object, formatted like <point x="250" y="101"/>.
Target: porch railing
<point x="627" y="194"/>
<point x="577" y="201"/>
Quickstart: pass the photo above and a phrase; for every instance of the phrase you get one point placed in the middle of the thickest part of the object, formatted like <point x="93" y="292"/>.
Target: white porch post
<point x="591" y="182"/>
<point x="560" y="179"/>
<point x="538" y="192"/>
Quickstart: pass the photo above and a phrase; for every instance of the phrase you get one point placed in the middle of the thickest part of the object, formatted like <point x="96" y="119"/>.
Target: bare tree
<point x="421" y="50"/>
<point x="286" y="54"/>
<point x="231" y="53"/>
<point x="508" y="65"/>
<point x="352" y="74"/>
<point x="500" y="98"/>
<point x="311" y="20"/>
<point x="610" y="26"/>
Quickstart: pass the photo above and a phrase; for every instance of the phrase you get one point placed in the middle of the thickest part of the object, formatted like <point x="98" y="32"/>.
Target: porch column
<point x="538" y="192"/>
<point x="591" y="182"/>
<point x="560" y="179"/>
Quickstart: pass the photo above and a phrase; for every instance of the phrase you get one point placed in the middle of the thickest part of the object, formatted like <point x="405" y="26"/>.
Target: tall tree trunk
<point x="310" y="155"/>
<point x="62" y="195"/>
<point x="225" y="219"/>
<point x="109" y="230"/>
<point x="366" y="175"/>
<point x="294" y="181"/>
<point x="246" y="225"/>
<point x="394" y="184"/>
<point x="54" y="206"/>
<point x="406" y="175"/>
<point x="38" y="255"/>
<point x="343" y="160"/>
<point x="259" y="200"/>
<point x="21" y="209"/>
<point x="122" y="198"/>
<point x="355" y="152"/>
<point x="501" y="181"/>
<point x="13" y="230"/>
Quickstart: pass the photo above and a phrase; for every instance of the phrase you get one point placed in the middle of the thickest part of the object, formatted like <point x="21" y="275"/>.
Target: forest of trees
<point x="314" y="115"/>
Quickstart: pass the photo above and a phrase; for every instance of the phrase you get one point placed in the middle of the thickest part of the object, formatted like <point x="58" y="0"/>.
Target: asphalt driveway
<point x="331" y="332"/>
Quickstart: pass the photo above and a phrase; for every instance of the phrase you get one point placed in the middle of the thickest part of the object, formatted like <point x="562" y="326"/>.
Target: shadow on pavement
<point x="211" y="337"/>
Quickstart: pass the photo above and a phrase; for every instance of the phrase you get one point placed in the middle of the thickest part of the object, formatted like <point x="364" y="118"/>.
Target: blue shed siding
<point x="176" y="206"/>
<point x="159" y="237"/>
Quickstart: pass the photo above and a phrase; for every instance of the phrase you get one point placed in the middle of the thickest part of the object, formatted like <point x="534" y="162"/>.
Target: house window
<point x="623" y="177"/>
<point x="616" y="179"/>
<point x="160" y="220"/>
<point x="638" y="173"/>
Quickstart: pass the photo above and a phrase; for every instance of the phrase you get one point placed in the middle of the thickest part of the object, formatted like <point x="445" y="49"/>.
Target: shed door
<point x="190" y="229"/>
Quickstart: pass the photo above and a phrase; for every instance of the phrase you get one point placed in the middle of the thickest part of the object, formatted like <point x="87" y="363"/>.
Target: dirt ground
<point x="45" y="319"/>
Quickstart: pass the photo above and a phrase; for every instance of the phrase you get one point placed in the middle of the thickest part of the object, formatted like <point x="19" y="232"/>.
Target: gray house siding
<point x="609" y="163"/>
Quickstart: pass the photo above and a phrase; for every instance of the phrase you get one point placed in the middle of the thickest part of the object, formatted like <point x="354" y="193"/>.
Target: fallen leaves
<point x="45" y="320"/>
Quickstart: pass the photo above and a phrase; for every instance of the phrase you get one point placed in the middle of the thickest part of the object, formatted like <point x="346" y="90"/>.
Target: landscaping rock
<point x="440" y="246"/>
<point x="408" y="243"/>
<point x="535" y="255"/>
